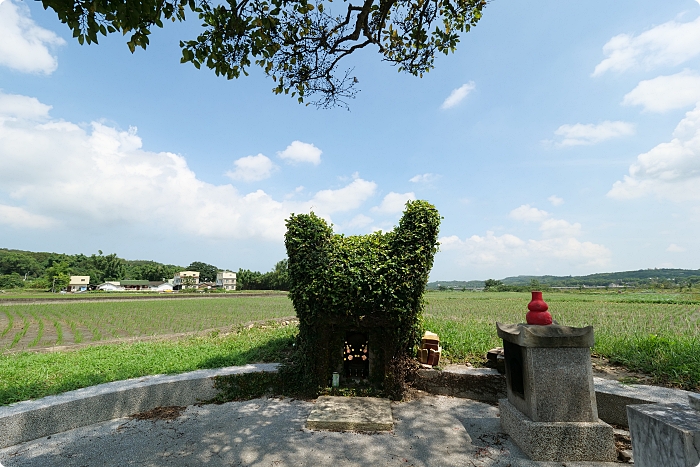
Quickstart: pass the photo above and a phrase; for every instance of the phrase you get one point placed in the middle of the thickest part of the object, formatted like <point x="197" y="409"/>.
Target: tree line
<point x="47" y="271"/>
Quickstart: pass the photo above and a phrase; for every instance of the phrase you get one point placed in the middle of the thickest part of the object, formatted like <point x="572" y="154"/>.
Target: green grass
<point x="658" y="334"/>
<point x="91" y="322"/>
<point x="33" y="294"/>
<point x="655" y="334"/>
<point x="32" y="375"/>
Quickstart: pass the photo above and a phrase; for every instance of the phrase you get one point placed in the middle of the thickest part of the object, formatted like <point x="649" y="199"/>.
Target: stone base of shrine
<point x="558" y="441"/>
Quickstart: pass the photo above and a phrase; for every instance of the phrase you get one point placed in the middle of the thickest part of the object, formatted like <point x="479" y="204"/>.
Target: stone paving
<point x="430" y="431"/>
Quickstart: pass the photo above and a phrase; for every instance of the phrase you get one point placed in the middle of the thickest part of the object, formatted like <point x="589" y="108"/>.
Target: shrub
<point x="372" y="283"/>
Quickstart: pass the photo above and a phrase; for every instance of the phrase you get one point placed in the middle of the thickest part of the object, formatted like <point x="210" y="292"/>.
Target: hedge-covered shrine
<point x="359" y="300"/>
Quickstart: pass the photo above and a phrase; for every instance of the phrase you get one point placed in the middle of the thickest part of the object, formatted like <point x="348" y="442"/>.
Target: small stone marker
<point x="351" y="414"/>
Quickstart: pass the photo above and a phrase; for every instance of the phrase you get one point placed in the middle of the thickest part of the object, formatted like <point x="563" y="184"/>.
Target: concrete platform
<point x="350" y="414"/>
<point x="558" y="441"/>
<point x="27" y="420"/>
<point x="613" y="397"/>
<point x="434" y="431"/>
<point x="665" y="435"/>
<point x="487" y="385"/>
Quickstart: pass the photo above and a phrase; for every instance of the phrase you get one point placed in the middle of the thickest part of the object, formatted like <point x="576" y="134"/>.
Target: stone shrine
<point x="551" y="411"/>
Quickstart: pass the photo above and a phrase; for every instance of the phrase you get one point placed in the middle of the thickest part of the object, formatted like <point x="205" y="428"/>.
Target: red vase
<point x="538" y="313"/>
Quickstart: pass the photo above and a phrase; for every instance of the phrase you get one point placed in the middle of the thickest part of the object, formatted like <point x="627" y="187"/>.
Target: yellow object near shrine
<point x="429" y="353"/>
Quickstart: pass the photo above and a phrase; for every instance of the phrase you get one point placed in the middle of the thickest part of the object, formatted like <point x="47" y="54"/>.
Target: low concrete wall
<point x="479" y="384"/>
<point x="28" y="420"/>
<point x="613" y="398"/>
<point x="487" y="385"/>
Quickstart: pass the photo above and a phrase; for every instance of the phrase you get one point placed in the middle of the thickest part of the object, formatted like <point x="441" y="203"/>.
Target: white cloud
<point x="458" y="95"/>
<point x="507" y="250"/>
<point x="673" y="248"/>
<point x="359" y="221"/>
<point x="344" y="199"/>
<point x="55" y="172"/>
<point x="24" y="46"/>
<point x="424" y="178"/>
<point x="670" y="170"/>
<point x="20" y="218"/>
<point x="559" y="242"/>
<point x="666" y="92"/>
<point x="559" y="228"/>
<point x="20" y="107"/>
<point x="394" y="203"/>
<point x="528" y="214"/>
<point x="671" y="43"/>
<point x="557" y="201"/>
<point x="587" y="134"/>
<point x="487" y="249"/>
<point x="252" y="168"/>
<point x="301" y="152"/>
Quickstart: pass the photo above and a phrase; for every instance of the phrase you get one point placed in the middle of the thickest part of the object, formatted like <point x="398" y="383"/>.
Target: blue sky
<point x="561" y="138"/>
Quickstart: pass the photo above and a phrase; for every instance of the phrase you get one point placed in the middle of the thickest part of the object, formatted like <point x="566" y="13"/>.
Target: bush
<point x="11" y="281"/>
<point x="372" y="284"/>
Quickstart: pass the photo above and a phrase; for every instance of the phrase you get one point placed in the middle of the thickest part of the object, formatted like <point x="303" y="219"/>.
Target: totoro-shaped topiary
<point x="369" y="283"/>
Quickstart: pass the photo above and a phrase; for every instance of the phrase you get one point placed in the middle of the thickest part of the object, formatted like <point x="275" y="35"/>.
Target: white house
<point x="78" y="283"/>
<point x="111" y="287"/>
<point x="164" y="287"/>
<point x="226" y="280"/>
<point x="185" y="280"/>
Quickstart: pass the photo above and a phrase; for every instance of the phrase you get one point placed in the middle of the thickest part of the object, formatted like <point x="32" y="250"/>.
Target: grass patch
<point x="94" y="321"/>
<point x="30" y="376"/>
<point x="657" y="334"/>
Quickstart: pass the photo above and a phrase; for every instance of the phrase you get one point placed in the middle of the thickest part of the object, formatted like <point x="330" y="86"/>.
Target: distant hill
<point x="640" y="278"/>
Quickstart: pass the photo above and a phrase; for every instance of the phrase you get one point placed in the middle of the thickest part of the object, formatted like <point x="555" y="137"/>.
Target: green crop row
<point x="658" y="338"/>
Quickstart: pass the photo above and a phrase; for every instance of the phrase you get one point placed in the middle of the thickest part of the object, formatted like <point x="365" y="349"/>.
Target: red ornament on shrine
<point x="538" y="313"/>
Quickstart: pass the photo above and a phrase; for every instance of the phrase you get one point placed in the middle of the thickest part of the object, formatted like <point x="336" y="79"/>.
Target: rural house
<point x="185" y="280"/>
<point x="226" y="280"/>
<point x="78" y="283"/>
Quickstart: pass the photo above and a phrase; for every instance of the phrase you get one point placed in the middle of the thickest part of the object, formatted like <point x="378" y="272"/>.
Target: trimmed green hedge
<point x="373" y="283"/>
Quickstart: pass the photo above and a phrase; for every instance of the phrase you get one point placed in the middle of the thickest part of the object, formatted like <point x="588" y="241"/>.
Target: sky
<point x="561" y="138"/>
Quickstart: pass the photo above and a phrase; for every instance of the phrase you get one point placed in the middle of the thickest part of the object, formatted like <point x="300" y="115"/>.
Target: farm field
<point x="36" y="326"/>
<point x="657" y="334"/>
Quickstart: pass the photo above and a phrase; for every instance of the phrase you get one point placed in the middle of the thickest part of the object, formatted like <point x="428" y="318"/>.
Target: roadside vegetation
<point x="33" y="375"/>
<point x="653" y="333"/>
<point x="656" y="334"/>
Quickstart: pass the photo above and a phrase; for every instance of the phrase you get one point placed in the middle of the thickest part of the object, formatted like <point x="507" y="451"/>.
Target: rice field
<point x="657" y="334"/>
<point x="651" y="333"/>
<point x="36" y="326"/>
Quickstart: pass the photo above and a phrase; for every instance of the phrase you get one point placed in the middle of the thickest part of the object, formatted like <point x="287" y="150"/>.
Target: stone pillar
<point x="551" y="411"/>
<point x="665" y="435"/>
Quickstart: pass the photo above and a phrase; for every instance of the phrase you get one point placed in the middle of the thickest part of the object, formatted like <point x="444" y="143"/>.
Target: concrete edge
<point x="487" y="385"/>
<point x="613" y="397"/>
<point x="28" y="420"/>
<point x="348" y="426"/>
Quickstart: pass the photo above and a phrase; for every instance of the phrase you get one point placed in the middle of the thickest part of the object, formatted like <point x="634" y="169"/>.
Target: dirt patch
<point x="160" y="413"/>
<point x="602" y="368"/>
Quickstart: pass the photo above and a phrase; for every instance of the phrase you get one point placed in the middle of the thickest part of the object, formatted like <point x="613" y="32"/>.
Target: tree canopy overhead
<point x="298" y="43"/>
